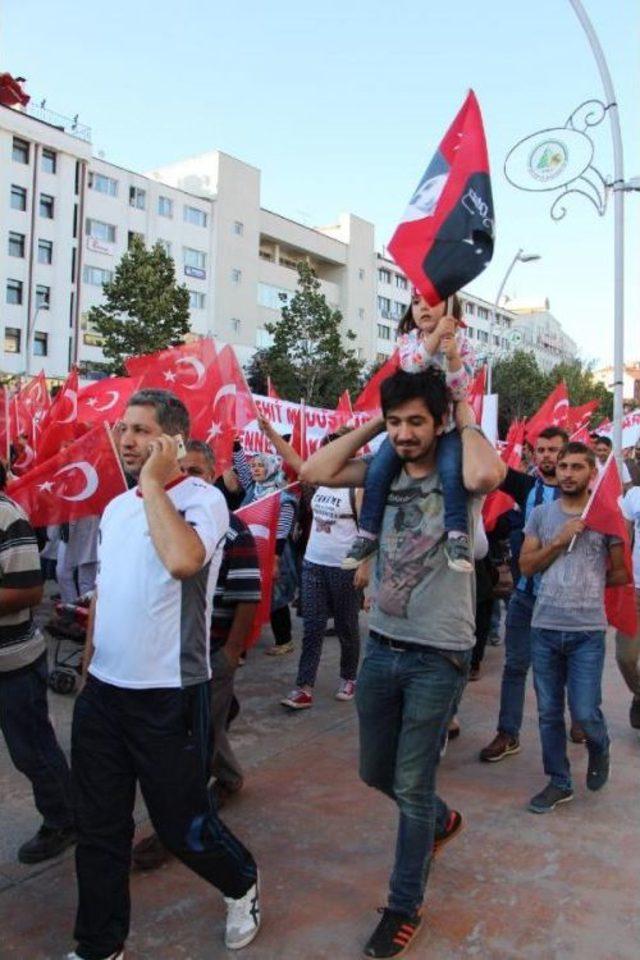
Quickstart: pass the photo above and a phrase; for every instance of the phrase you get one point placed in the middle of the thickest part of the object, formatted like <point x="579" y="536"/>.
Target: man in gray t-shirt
<point x="569" y="623"/>
<point x="418" y="653"/>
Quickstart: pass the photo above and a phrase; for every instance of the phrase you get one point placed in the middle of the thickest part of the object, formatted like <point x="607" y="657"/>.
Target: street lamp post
<point x="31" y="326"/>
<point x="619" y="187"/>
<point x="523" y="258"/>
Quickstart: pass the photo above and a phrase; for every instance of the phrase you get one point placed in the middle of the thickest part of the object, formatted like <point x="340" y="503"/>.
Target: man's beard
<point x="575" y="492"/>
<point x="547" y="471"/>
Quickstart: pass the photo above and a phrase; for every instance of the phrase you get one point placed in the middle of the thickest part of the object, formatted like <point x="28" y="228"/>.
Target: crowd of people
<point x="174" y="580"/>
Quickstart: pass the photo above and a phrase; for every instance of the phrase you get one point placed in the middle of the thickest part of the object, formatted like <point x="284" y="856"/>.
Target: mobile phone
<point x="182" y="450"/>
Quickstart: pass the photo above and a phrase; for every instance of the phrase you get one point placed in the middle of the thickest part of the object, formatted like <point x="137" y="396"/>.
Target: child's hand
<point x="446" y="327"/>
<point x="449" y="347"/>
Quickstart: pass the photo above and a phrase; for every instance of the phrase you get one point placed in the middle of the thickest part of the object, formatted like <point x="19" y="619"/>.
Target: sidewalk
<point x="514" y="886"/>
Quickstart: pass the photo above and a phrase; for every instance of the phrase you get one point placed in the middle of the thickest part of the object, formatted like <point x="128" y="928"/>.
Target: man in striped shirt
<point x="24" y="715"/>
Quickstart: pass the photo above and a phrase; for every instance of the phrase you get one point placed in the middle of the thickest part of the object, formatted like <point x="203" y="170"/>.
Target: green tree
<point x="522" y="386"/>
<point x="309" y="357"/>
<point x="144" y="309"/>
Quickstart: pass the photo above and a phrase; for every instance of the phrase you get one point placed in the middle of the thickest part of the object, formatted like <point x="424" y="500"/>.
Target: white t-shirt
<point x="625" y="476"/>
<point x="631" y="511"/>
<point x="333" y="528"/>
<point x="152" y="630"/>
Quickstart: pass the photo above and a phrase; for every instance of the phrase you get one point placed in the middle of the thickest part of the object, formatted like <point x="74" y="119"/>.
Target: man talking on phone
<point x="143" y="714"/>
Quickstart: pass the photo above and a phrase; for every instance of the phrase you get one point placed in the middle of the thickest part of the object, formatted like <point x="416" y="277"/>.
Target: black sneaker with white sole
<point x="393" y="935"/>
<point x="549" y="798"/>
<point x="598" y="769"/>
<point x="361" y="549"/>
<point x="457" y="550"/>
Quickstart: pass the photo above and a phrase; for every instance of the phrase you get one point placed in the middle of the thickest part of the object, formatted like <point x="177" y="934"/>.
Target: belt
<point x="400" y="646"/>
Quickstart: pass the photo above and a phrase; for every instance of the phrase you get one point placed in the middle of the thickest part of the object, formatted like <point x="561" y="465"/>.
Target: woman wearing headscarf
<point x="260" y="476"/>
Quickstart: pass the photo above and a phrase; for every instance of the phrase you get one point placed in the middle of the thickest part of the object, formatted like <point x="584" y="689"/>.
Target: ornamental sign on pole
<point x="561" y="159"/>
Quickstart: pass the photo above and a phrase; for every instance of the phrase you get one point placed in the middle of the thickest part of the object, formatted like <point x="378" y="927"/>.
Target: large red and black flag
<point x="446" y="235"/>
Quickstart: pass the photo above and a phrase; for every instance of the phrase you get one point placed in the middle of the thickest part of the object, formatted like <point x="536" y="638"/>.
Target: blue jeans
<point x="572" y="661"/>
<point x="404" y="701"/>
<point x="32" y="744"/>
<point x="386" y="464"/>
<point x="517" y="660"/>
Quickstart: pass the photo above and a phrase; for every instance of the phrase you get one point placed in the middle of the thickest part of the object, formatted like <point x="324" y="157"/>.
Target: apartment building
<point x="70" y="216"/>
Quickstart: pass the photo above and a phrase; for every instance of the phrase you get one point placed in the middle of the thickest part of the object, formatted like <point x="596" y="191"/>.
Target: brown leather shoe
<point x="577" y="734"/>
<point x="500" y="747"/>
<point x="149" y="854"/>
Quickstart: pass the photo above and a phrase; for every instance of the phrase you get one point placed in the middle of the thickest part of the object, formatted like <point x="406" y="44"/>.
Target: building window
<point x="40" y="344"/>
<point x="483" y="313"/>
<point x="470" y="332"/>
<point x="20" y="150"/>
<point x="166" y="246"/>
<point x="470" y="308"/>
<point x="102" y="184"/>
<point x="11" y="340"/>
<point x="45" y="251"/>
<point x="384" y="307"/>
<point x="96" y="276"/>
<point x="165" y="206"/>
<point x="384" y="275"/>
<point x="14" y="291"/>
<point x="235" y="324"/>
<point x="196" y="300"/>
<point x="137" y="198"/>
<point x="195" y="262"/>
<point x="398" y="309"/>
<point x="46" y="206"/>
<point x="401" y="282"/>
<point x="360" y="274"/>
<point x="384" y="333"/>
<point x="49" y="161"/>
<point x="132" y="235"/>
<point x="43" y="297"/>
<point x="236" y="275"/>
<point x="238" y="227"/>
<point x="18" y="198"/>
<point x="193" y="215"/>
<point x="269" y="296"/>
<point x="16" y="244"/>
<point x="263" y="339"/>
<point x="101" y="231"/>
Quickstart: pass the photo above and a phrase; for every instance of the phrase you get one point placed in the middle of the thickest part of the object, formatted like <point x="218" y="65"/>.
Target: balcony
<point x="69" y="125"/>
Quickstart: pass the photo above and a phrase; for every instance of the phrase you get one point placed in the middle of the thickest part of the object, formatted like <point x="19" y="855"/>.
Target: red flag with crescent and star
<point x="79" y="481"/>
<point x="553" y="413"/>
<point x="60" y="424"/>
<point x="369" y="400"/>
<point x="261" y="517"/>
<point x="106" y="400"/>
<point x="446" y="235"/>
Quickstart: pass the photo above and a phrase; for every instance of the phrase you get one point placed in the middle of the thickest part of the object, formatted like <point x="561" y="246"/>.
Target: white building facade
<point x="69" y="217"/>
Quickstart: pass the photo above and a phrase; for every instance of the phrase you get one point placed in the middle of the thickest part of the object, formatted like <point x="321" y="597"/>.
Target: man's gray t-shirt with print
<point x="418" y="598"/>
<point x="571" y="592"/>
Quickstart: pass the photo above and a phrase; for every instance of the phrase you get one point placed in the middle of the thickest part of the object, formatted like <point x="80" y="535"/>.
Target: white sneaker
<point x="112" y="956"/>
<point x="347" y="690"/>
<point x="243" y="918"/>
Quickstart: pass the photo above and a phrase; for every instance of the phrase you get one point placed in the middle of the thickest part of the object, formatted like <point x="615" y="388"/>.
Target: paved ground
<point x="513" y="887"/>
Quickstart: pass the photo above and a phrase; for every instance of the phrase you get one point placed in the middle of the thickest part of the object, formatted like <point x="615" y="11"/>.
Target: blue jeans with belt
<point x="572" y="661"/>
<point x="404" y="700"/>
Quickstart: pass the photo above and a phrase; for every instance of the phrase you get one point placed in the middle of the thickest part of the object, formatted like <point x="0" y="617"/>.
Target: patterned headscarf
<point x="273" y="479"/>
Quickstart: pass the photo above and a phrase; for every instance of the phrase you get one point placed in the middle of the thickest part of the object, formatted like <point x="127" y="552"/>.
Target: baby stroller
<point x="67" y="627"/>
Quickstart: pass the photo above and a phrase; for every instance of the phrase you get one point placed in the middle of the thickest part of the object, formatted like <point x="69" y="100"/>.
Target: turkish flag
<point x="578" y="417"/>
<point x="174" y="367"/>
<point x="232" y="374"/>
<point x="369" y="399"/>
<point x="79" y="481"/>
<point x="500" y="502"/>
<point x="476" y="392"/>
<point x="272" y="393"/>
<point x="28" y="408"/>
<point x="581" y="436"/>
<point x="446" y="236"/>
<point x="11" y="92"/>
<point x="261" y="517"/>
<point x="553" y="413"/>
<point x="106" y="400"/>
<point x="603" y="514"/>
<point x="60" y="424"/>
